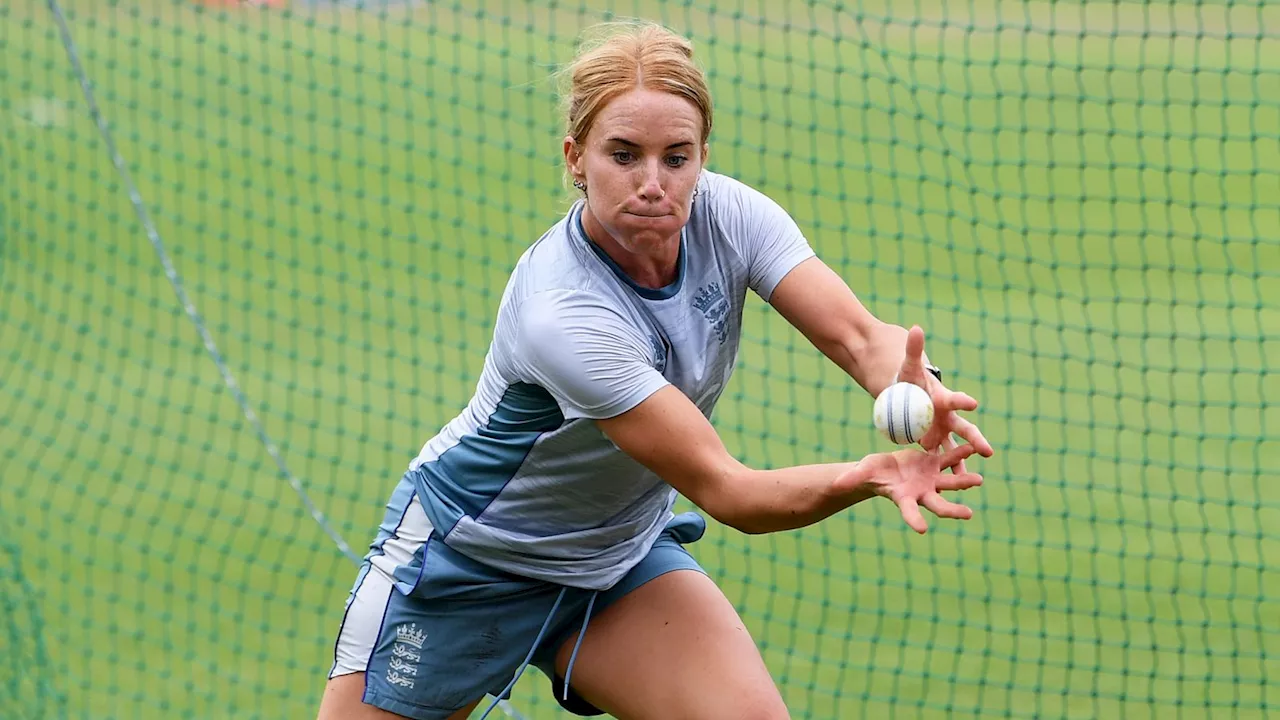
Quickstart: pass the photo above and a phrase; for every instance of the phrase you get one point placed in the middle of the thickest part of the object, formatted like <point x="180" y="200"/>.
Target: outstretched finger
<point x="972" y="434"/>
<point x="913" y="361"/>
<point x="944" y="508"/>
<point x="959" y="481"/>
<point x="912" y="515"/>
<point x="956" y="455"/>
<point x="954" y="400"/>
<point x="949" y="443"/>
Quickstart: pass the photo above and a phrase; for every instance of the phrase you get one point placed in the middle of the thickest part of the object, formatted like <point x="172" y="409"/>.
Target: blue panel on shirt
<point x="469" y="475"/>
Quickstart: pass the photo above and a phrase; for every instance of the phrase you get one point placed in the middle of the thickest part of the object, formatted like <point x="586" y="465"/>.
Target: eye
<point x="622" y="157"/>
<point x="676" y="161"/>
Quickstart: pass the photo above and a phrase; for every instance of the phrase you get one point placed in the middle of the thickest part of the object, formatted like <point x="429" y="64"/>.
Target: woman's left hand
<point x="947" y="405"/>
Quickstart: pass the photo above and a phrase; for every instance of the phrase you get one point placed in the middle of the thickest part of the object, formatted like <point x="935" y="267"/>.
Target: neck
<point x="652" y="265"/>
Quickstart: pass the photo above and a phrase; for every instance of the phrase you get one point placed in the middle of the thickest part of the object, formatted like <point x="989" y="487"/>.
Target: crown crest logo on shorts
<point x="411" y="635"/>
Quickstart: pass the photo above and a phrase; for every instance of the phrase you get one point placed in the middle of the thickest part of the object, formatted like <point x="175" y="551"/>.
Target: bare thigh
<point x="342" y="700"/>
<point x="675" y="649"/>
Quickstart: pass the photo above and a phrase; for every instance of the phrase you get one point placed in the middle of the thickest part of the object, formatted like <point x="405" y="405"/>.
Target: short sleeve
<point x="766" y="237"/>
<point x="585" y="354"/>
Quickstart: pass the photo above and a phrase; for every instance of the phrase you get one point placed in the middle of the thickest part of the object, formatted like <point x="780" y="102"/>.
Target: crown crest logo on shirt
<point x="710" y="300"/>
<point x="707" y="296"/>
<point x="411" y="635"/>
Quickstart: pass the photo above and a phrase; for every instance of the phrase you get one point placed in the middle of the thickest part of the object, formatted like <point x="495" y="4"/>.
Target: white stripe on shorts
<point x="368" y="603"/>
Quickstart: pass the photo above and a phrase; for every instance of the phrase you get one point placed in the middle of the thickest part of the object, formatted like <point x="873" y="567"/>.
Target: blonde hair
<point x="629" y="55"/>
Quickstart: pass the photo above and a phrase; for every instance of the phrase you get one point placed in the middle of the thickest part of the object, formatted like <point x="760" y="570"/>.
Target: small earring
<point x="581" y="186"/>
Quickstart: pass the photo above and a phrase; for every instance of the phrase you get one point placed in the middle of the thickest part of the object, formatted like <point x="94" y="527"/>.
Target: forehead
<point x="649" y="115"/>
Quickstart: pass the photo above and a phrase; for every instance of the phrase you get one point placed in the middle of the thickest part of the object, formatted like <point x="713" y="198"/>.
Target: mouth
<point x="647" y="215"/>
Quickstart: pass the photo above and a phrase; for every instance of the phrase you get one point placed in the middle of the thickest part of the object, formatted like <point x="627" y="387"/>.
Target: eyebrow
<point x="628" y="143"/>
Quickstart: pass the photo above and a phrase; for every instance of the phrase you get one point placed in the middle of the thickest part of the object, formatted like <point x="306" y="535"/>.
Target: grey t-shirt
<point x="523" y="479"/>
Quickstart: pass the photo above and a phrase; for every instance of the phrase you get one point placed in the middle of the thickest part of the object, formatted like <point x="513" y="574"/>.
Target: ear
<point x="573" y="157"/>
<point x="706" y="153"/>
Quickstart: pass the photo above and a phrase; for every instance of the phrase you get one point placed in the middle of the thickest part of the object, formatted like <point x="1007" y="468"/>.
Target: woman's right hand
<point x="912" y="478"/>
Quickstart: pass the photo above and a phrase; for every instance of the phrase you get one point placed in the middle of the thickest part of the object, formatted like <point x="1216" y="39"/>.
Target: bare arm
<point x="669" y="435"/>
<point x="818" y="302"/>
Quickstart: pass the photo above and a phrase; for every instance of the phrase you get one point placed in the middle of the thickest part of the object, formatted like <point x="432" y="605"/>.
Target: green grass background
<point x="1080" y="202"/>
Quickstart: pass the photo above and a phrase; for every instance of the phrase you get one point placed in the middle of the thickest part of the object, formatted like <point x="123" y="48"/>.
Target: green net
<point x="1079" y="201"/>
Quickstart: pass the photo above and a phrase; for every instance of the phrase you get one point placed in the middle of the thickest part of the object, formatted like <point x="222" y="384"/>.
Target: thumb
<point x="913" y="362"/>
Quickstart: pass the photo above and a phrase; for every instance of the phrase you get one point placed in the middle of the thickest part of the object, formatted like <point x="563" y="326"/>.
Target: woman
<point x="536" y="527"/>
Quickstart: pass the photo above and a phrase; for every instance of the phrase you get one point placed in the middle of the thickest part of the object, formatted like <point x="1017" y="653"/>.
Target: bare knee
<point x="674" y="648"/>
<point x="777" y="713"/>
<point x="734" y="706"/>
<point x="765" y="705"/>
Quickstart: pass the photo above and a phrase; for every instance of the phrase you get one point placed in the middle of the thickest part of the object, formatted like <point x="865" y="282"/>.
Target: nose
<point x="651" y="183"/>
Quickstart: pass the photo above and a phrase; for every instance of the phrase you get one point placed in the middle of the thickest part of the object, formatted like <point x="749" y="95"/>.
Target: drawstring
<point x="529" y="657"/>
<point x="581" y="634"/>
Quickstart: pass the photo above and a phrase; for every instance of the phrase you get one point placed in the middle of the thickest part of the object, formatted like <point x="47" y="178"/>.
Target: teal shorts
<point x="464" y="629"/>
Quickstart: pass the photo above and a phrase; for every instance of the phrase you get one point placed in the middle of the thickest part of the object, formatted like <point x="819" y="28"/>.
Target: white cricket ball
<point x="903" y="413"/>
